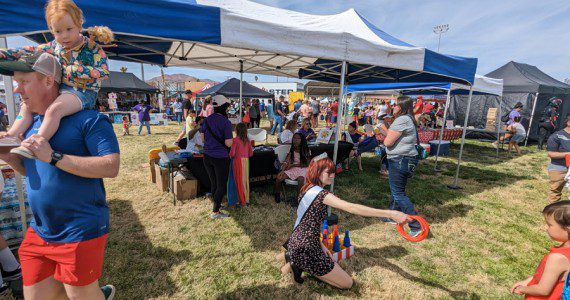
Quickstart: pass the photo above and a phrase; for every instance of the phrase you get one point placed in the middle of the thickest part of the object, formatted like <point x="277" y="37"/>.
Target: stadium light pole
<point x="439" y="30"/>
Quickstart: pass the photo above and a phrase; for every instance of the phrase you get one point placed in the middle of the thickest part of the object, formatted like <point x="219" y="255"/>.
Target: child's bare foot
<point x="23" y="151"/>
<point x="4" y="134"/>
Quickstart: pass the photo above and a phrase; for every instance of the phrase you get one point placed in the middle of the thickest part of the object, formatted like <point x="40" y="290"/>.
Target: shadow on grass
<point x="366" y="258"/>
<point x="428" y="191"/>
<point x="138" y="268"/>
<point x="378" y="257"/>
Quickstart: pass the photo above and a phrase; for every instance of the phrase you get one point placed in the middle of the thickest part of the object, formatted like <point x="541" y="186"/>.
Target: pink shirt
<point x="208" y="111"/>
<point x="240" y="149"/>
<point x="305" y="110"/>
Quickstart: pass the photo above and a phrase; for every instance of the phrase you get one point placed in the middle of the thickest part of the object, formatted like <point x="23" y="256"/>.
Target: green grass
<point x="484" y="237"/>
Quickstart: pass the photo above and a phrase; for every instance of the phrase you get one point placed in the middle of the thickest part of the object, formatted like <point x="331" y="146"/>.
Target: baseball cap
<point x="219" y="100"/>
<point x="43" y="63"/>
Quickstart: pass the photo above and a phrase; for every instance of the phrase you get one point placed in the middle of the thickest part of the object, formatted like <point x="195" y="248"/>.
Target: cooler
<point x="442" y="145"/>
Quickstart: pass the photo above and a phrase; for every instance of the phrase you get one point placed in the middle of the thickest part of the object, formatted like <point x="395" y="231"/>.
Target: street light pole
<point x="439" y="30"/>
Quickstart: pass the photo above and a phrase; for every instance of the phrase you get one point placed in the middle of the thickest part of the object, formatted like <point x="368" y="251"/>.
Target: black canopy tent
<point x="529" y="85"/>
<point x="126" y="82"/>
<point x="231" y="89"/>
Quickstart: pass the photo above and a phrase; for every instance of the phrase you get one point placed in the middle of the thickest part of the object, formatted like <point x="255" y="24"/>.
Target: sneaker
<point x="23" y="151"/>
<point x="12" y="275"/>
<point x="414" y="233"/>
<point x="218" y="215"/>
<point x="108" y="292"/>
<point x="494" y="145"/>
<point x="388" y="220"/>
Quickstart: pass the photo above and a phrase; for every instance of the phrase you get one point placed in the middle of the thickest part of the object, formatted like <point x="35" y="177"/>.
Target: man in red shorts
<point x="62" y="252"/>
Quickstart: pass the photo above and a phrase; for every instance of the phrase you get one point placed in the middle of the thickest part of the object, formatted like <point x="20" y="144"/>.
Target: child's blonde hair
<point x="56" y="9"/>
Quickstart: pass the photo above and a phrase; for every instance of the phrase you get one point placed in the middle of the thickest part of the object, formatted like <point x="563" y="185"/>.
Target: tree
<point x="124" y="69"/>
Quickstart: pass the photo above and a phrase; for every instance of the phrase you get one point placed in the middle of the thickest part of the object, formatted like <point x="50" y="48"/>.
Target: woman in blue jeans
<point x="400" y="142"/>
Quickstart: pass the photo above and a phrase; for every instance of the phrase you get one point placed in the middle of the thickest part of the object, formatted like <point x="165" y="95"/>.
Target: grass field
<point x="483" y="238"/>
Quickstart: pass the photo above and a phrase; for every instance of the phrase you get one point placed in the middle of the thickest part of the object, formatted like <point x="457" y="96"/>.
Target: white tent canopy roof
<point x="485" y="85"/>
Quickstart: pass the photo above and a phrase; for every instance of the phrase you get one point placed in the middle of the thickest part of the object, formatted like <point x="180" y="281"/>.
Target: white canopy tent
<point x="482" y="86"/>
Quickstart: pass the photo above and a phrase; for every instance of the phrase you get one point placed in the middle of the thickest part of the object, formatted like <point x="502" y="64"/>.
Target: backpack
<point x="505" y="118"/>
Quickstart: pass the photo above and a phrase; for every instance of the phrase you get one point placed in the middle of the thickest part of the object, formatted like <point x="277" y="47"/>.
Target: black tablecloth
<point x="262" y="164"/>
<point x="343" y="150"/>
<point x="261" y="167"/>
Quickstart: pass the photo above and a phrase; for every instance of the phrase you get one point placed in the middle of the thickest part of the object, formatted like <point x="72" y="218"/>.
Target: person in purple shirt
<point x="306" y="130"/>
<point x="218" y="138"/>
<point x="143" y="109"/>
<point x="516" y="112"/>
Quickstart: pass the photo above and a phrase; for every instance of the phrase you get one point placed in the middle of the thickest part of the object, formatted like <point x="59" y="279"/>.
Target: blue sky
<point x="495" y="31"/>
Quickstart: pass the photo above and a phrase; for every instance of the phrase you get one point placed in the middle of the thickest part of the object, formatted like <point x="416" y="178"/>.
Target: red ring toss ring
<point x="424" y="227"/>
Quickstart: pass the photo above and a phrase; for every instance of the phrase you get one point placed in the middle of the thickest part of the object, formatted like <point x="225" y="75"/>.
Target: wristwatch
<point x="55" y="157"/>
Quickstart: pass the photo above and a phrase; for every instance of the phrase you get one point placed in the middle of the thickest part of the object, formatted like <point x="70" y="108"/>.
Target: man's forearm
<point x="91" y="167"/>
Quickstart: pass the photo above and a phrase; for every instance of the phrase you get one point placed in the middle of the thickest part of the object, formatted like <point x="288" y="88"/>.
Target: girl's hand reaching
<point x="400" y="217"/>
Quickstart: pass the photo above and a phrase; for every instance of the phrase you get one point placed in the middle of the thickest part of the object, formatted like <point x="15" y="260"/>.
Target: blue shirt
<point x="221" y="127"/>
<point x="270" y="113"/>
<point x="296" y="106"/>
<point x="68" y="208"/>
<point x="558" y="142"/>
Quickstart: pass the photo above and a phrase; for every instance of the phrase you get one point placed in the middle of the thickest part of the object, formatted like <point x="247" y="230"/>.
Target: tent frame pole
<point x="531" y="118"/>
<point x="448" y="99"/>
<point x="240" y="90"/>
<point x="454" y="186"/>
<point x="338" y="122"/>
<point x="498" y="123"/>
<point x="11" y="106"/>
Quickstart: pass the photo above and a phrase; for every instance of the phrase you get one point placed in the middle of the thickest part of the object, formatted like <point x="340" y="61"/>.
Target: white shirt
<point x="520" y="129"/>
<point x="382" y="109"/>
<point x="195" y="141"/>
<point x="286" y="136"/>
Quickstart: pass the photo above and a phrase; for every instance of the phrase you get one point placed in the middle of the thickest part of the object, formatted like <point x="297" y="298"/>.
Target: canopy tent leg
<point x="240" y="90"/>
<point x="338" y="122"/>
<point x="498" y="123"/>
<point x="448" y="99"/>
<point x="11" y="106"/>
<point x="531" y="118"/>
<point x="454" y="186"/>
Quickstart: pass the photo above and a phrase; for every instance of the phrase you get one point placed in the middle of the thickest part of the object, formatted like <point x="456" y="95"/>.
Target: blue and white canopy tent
<point x="239" y="35"/>
<point x="482" y="86"/>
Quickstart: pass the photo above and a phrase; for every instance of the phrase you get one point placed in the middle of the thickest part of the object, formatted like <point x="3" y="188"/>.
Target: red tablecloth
<point x="427" y="136"/>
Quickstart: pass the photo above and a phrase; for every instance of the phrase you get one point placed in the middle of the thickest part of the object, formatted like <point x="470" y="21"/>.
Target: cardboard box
<point x="161" y="178"/>
<point x="491" y="124"/>
<point x="185" y="188"/>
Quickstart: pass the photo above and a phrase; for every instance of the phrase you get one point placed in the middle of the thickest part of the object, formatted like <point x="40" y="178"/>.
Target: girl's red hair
<point x="316" y="168"/>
